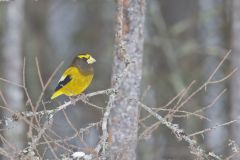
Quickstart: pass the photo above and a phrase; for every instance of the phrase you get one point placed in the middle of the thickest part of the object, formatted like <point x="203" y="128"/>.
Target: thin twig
<point x="212" y="128"/>
<point x="179" y="133"/>
<point x="39" y="72"/>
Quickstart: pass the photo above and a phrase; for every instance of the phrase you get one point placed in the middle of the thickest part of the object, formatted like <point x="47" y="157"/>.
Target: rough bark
<point x="212" y="43"/>
<point x="12" y="64"/>
<point x="128" y="54"/>
<point x="235" y="83"/>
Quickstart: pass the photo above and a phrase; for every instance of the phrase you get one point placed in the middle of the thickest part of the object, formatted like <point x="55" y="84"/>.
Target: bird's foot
<point x="83" y="97"/>
<point x="73" y="100"/>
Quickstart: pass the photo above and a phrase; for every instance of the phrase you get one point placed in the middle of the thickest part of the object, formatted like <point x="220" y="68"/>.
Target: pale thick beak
<point x="91" y="60"/>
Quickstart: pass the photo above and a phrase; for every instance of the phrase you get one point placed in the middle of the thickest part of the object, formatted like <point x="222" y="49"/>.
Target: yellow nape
<point x="56" y="94"/>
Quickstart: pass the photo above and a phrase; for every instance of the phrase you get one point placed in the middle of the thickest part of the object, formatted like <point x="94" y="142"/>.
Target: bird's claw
<point x="83" y="97"/>
<point x="73" y="100"/>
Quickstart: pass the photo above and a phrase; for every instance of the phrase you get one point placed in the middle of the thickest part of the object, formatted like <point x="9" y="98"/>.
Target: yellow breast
<point x="78" y="83"/>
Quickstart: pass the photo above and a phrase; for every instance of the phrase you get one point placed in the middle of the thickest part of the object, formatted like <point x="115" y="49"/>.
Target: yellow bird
<point x="77" y="77"/>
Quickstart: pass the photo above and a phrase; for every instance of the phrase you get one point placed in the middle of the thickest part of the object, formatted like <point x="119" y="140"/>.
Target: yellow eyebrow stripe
<point x="87" y="56"/>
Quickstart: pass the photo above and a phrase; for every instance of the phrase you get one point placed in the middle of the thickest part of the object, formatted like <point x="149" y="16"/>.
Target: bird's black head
<point x="87" y="58"/>
<point x="84" y="63"/>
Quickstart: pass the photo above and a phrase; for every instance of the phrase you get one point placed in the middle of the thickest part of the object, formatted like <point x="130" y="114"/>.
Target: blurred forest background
<point x="185" y="40"/>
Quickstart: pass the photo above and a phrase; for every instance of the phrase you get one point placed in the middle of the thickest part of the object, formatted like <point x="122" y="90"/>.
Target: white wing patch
<point x="62" y="78"/>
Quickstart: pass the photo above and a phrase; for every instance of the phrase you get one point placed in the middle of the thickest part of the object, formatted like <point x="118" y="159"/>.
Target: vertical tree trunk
<point x="235" y="83"/>
<point x="12" y="55"/>
<point x="212" y="42"/>
<point x="129" y="53"/>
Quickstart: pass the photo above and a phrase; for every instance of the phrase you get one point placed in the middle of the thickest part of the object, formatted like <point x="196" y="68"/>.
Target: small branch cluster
<point x="41" y="133"/>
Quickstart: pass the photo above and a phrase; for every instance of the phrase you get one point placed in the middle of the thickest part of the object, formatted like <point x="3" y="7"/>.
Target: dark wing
<point x="63" y="82"/>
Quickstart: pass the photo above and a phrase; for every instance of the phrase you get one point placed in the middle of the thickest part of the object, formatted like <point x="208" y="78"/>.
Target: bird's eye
<point x="84" y="58"/>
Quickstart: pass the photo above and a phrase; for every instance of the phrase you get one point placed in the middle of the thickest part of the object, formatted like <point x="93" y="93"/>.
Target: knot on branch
<point x="17" y="116"/>
<point x="179" y="133"/>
